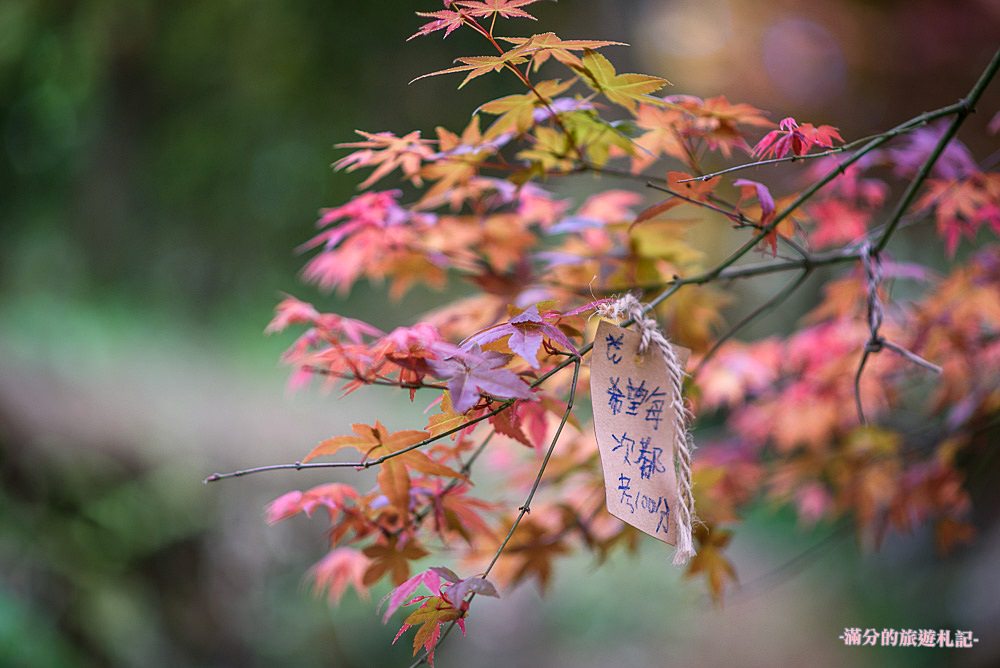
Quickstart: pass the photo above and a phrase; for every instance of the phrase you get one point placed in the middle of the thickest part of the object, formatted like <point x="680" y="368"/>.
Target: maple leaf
<point x="398" y="596"/>
<point x="795" y="139"/>
<point x="375" y="209"/>
<point x="750" y="189"/>
<point x="531" y="551"/>
<point x="711" y="561"/>
<point x="955" y="162"/>
<point x="684" y="117"/>
<point x="526" y="331"/>
<point x="507" y="424"/>
<point x="596" y="136"/>
<point x="626" y="90"/>
<point x="371" y="442"/>
<point x="472" y="371"/>
<point x="545" y="45"/>
<point x="331" y="496"/>
<point x="408" y="348"/>
<point x="291" y="311"/>
<point x="477" y="66"/>
<point x="444" y="19"/>
<point x="386" y="152"/>
<point x="455" y="510"/>
<point x="341" y="567"/>
<point x="393" y="476"/>
<point x="517" y="112"/>
<point x="448" y="418"/>
<point x="962" y="206"/>
<point x="837" y="223"/>
<point x="432" y="613"/>
<point x="392" y="558"/>
<point x="508" y="9"/>
<point x="550" y="150"/>
<point x="448" y="606"/>
<point x="466" y="151"/>
<point x="460" y="588"/>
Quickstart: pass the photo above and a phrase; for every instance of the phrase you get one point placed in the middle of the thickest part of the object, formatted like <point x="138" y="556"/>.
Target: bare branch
<point x="965" y="107"/>
<point x="767" y="306"/>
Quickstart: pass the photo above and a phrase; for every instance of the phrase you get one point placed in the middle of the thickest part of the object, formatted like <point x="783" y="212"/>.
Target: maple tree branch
<point x="525" y="508"/>
<point x="378" y="380"/>
<point x="872" y="264"/>
<point x="812" y="261"/>
<point x="868" y="147"/>
<point x="901" y="129"/>
<point x="669" y="289"/>
<point x="966" y="106"/>
<point x="731" y="215"/>
<point x="767" y="306"/>
<point x="876" y="342"/>
<point x="299" y="466"/>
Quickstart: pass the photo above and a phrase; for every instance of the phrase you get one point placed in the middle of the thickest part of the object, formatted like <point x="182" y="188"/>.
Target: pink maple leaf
<point x="526" y="332"/>
<point x="749" y="189"/>
<point x="331" y="496"/>
<point x="471" y="372"/>
<point x="398" y="597"/>
<point x="795" y="139"/>
<point x="508" y="9"/>
<point x="341" y="567"/>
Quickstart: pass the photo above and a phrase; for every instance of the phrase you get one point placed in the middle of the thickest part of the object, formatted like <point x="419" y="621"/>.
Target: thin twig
<point x="902" y="128"/>
<point x="368" y="463"/>
<point x="524" y="509"/>
<point x="767" y="306"/>
<point x="377" y="380"/>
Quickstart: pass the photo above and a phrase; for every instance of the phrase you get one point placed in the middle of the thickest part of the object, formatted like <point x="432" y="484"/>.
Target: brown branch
<point x="524" y="509"/>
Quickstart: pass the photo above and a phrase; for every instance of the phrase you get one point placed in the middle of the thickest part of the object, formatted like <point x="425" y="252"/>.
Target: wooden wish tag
<point x="636" y="424"/>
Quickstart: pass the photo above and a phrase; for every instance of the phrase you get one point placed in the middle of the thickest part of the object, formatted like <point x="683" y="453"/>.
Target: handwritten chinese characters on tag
<point x="635" y="430"/>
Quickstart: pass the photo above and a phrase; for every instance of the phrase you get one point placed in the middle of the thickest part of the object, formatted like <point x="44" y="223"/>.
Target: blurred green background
<point x="159" y="162"/>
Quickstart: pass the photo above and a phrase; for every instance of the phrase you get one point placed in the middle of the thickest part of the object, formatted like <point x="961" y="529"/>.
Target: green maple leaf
<point x="622" y="89"/>
<point x="516" y="112"/>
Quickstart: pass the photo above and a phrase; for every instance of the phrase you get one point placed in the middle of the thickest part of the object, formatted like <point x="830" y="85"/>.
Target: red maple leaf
<point x="508" y="9"/>
<point x="795" y="139"/>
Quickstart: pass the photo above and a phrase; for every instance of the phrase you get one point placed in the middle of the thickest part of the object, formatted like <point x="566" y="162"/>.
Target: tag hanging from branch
<point x="641" y="421"/>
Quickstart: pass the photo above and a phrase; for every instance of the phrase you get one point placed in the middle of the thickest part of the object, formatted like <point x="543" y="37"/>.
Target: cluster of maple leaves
<point x="496" y="365"/>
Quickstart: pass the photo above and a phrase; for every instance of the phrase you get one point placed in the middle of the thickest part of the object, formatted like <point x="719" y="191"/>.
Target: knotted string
<point x="628" y="306"/>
